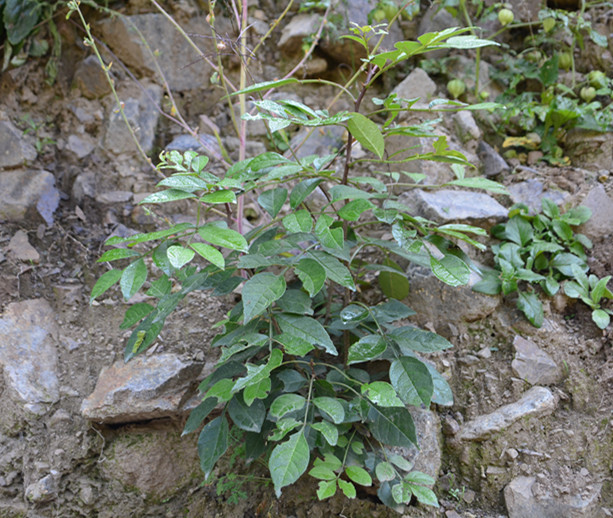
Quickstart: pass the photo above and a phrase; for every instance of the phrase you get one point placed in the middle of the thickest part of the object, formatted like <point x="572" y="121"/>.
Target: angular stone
<point x="14" y="149"/>
<point x="536" y="402"/>
<point x="142" y="113"/>
<point x="144" y="388"/>
<point x="320" y="143"/>
<point x="24" y="193"/>
<point x="591" y="150"/>
<point x="466" y="126"/>
<point x="21" y="249"/>
<point x="416" y="84"/>
<point x="444" y="206"/>
<point x="299" y="27"/>
<point x="525" y="11"/>
<point x="533" y="364"/>
<point x="522" y="503"/>
<point x="205" y="144"/>
<point x="90" y="78"/>
<point x="531" y="192"/>
<point x="183" y="68"/>
<point x="79" y="146"/>
<point x="492" y="163"/>
<point x="600" y="225"/>
<point x="45" y="489"/>
<point x="114" y="197"/>
<point x="28" y="353"/>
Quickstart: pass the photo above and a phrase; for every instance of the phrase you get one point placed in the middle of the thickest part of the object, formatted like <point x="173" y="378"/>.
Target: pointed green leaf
<point x="287" y="403"/>
<point x="366" y="348"/>
<point x="258" y="390"/>
<point x="288" y="461"/>
<point x="299" y="221"/>
<point x="199" y="414"/>
<point x="167" y="196"/>
<point x="135" y="313"/>
<point x="179" y="256"/>
<point x="322" y="472"/>
<point x="106" y="280"/>
<point x="381" y="393"/>
<point x="392" y="426"/>
<point x="221" y="196"/>
<point x="335" y="270"/>
<point x="302" y="190"/>
<point x="424" y="495"/>
<point x="117" y="253"/>
<point x="411" y="379"/>
<point x="367" y="133"/>
<point x="248" y="418"/>
<point x="266" y="85"/>
<point x="260" y="292"/>
<point x="312" y="275"/>
<point x="347" y="488"/>
<point x="272" y="201"/>
<point x="354" y="209"/>
<point x="328" y="430"/>
<point x="308" y="329"/>
<point x="331" y="407"/>
<point x="225" y="237"/>
<point x="184" y="182"/>
<point x="450" y="270"/>
<point x="133" y="277"/>
<point x="294" y="345"/>
<point x="531" y="306"/>
<point x="358" y="475"/>
<point x="210" y="253"/>
<point x="212" y="444"/>
<point x="411" y="338"/>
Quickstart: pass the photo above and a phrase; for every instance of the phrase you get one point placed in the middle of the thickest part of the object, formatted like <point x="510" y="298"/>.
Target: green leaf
<point x="519" y="231"/>
<point x="183" y="182"/>
<point x="288" y="461"/>
<point x="392" y="426"/>
<point x="167" y="196"/>
<point x="601" y="318"/>
<point x="199" y="414"/>
<point x="328" y="430"/>
<point x="335" y="270"/>
<point x="450" y="270"/>
<point x="322" y="472"/>
<point x="411" y="339"/>
<point x="106" y="280"/>
<point x="347" y="488"/>
<point x="328" y="236"/>
<point x="260" y="292"/>
<point x="292" y="380"/>
<point x="272" y="201"/>
<point x="331" y="407"/>
<point x="367" y="133"/>
<point x="135" y="313"/>
<point x="287" y="403"/>
<point x="346" y="192"/>
<point x="354" y="209"/>
<point x="160" y="287"/>
<point x="221" y="196"/>
<point x="411" y="379"/>
<point x="266" y="85"/>
<point x="222" y="390"/>
<point x="327" y="489"/>
<point x="257" y="373"/>
<point x="296" y="301"/>
<point x="132" y="278"/>
<point x="312" y="275"/>
<point x="308" y="329"/>
<point x="531" y="306"/>
<point x="466" y="42"/>
<point x="381" y="393"/>
<point x="600" y="289"/>
<point x="358" y="475"/>
<point x="299" y="221"/>
<point x="294" y="345"/>
<point x="20" y="18"/>
<point x="441" y="394"/>
<point x="366" y="348"/>
<point x="248" y="418"/>
<point x="302" y="191"/>
<point x="394" y="285"/>
<point x="385" y="472"/>
<point x="210" y="253"/>
<point x="224" y="237"/>
<point x="476" y="182"/>
<point x="212" y="444"/>
<point x="257" y="390"/>
<point x="116" y="254"/>
<point x="179" y="256"/>
<point x="424" y="495"/>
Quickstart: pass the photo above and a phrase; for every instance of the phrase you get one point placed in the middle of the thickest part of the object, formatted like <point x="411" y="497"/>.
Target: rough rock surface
<point x="532" y="191"/>
<point x="90" y="78"/>
<point x="15" y="151"/>
<point x="533" y="364"/>
<point x="21" y="249"/>
<point x="24" y="193"/>
<point x="144" y="388"/>
<point x="601" y="204"/>
<point x="492" y="163"/>
<point x="416" y="84"/>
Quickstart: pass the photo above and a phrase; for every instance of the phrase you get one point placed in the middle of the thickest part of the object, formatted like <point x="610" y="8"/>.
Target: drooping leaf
<point x="286" y="403"/>
<point x="302" y="191"/>
<point x="224" y="237"/>
<point x="411" y="338"/>
<point x="106" y="280"/>
<point x="306" y="328"/>
<point x="450" y="270"/>
<point x="132" y="278"/>
<point x="248" y="418"/>
<point x="210" y="253"/>
<point x="312" y="275"/>
<point x="260" y="292"/>
<point x="272" y="201"/>
<point x="198" y="415"/>
<point x="288" y="461"/>
<point x="331" y="408"/>
<point x="366" y="348"/>
<point x="392" y="426"/>
<point x="367" y="133"/>
<point x="212" y="444"/>
<point x="393" y="284"/>
<point x="135" y="313"/>
<point x="531" y="306"/>
<point x="411" y="379"/>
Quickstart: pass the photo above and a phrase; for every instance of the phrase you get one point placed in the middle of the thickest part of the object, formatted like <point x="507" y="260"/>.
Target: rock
<point x="601" y="205"/>
<point x="182" y="67"/>
<point x="84" y="185"/>
<point x="157" y="464"/>
<point x="144" y="388"/>
<point x="142" y="112"/>
<point x="492" y="163"/>
<point x="590" y="150"/>
<point x="91" y="79"/>
<point x="531" y="192"/>
<point x="322" y="142"/>
<point x="299" y="27"/>
<point x="522" y="503"/>
<point x="416" y="84"/>
<point x="80" y="147"/>
<point x="436" y="300"/>
<point x="24" y="193"/>
<point x="15" y="151"/>
<point x="114" y="197"/>
<point x="434" y="20"/>
<point x="466" y="127"/>
<point x="21" y="249"/>
<point x="525" y="11"/>
<point x="533" y="364"/>
<point x="28" y="353"/>
<point x="445" y="206"/>
<point x="45" y="489"/>
<point x="536" y="402"/>
<point x="205" y="144"/>
<point x="465" y="68"/>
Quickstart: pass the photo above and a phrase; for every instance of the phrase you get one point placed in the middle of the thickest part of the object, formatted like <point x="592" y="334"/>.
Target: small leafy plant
<point x="539" y="249"/>
<point x="592" y="291"/>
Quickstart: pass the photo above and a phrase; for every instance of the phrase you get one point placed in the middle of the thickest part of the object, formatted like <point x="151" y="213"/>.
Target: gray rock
<point x="600" y="224"/>
<point x="84" y="185"/>
<point x="522" y="503"/>
<point x="531" y="192"/>
<point x="533" y="364"/>
<point x="525" y="10"/>
<point x="492" y="163"/>
<point x="144" y="388"/>
<point x="20" y="248"/>
<point x="28" y="353"/>
<point x="466" y="127"/>
<point x="436" y="19"/>
<point x="416" y="84"/>
<point x="45" y="489"/>
<point x="142" y="113"/>
<point x="444" y="206"/>
<point x="299" y="27"/>
<point x="205" y="144"/>
<point x="15" y="151"/>
<point x="114" y="197"/>
<point x="79" y="146"/>
<point x="426" y="458"/>
<point x="591" y="150"/>
<point x="90" y="78"/>
<point x="182" y="66"/>
<point x="320" y="143"/>
<point x="536" y="402"/>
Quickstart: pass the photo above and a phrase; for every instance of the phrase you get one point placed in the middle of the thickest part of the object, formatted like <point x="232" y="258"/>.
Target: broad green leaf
<point x="424" y="495"/>
<point x="381" y="393"/>
<point x="476" y="182"/>
<point x="519" y="230"/>
<point x="346" y="192"/>
<point x="199" y="162"/>
<point x="179" y="256"/>
<point x="132" y="278"/>
<point x="328" y="430"/>
<point x="288" y="461"/>
<point x="299" y="221"/>
<point x="167" y="196"/>
<point x="531" y="306"/>
<point x="308" y="329"/>
<point x="20" y="18"/>
<point x="160" y="287"/>
<point x="135" y="313"/>
<point x="347" y="488"/>
<point x="329" y="237"/>
<point x="411" y="379"/>
<point x="272" y="201"/>
<point x="257" y="373"/>
<point x="296" y="301"/>
<point x="392" y="426"/>
<point x="335" y="270"/>
<point x="198" y="415"/>
<point x="367" y="133"/>
<point x="600" y="289"/>
<point x="292" y="380"/>
<point x="260" y="292"/>
<point x="266" y="85"/>
<point x="116" y="254"/>
<point x="258" y="390"/>
<point x="225" y="237"/>
<point x="321" y="472"/>
<point x="312" y="275"/>
<point x="417" y="477"/>
<point x="441" y="394"/>
<point x="248" y="418"/>
<point x="411" y="339"/>
<point x="331" y="407"/>
<point x="294" y="345"/>
<point x="286" y="403"/>
<point x="367" y="348"/>
<point x="450" y="270"/>
<point x="106" y="280"/>
<point x="212" y="444"/>
<point x="467" y="42"/>
<point x="393" y="284"/>
<point x="327" y="489"/>
<point x="601" y="318"/>
<point x="354" y="209"/>
<point x="210" y="253"/>
<point x="391" y="311"/>
<point x="183" y="182"/>
<point x="149" y="236"/>
<point x="222" y="390"/>
<point x="385" y="472"/>
<point x="354" y="313"/>
<point x="564" y="263"/>
<point x="222" y="196"/>
<point x="358" y="475"/>
<point x="302" y="191"/>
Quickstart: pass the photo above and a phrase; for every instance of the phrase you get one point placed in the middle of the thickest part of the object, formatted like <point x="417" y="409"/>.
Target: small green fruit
<point x="505" y="16"/>
<point x="597" y="79"/>
<point x="456" y="87"/>
<point x="379" y="15"/>
<point x="588" y="93"/>
<point x="565" y="60"/>
<point x="549" y="24"/>
<point x="533" y="56"/>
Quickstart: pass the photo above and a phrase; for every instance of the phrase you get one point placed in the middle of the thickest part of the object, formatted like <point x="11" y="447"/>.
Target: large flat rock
<point x="25" y="193"/>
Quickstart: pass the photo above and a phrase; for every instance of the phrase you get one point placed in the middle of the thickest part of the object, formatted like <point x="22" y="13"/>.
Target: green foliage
<point x="592" y="291"/>
<point x="295" y="371"/>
